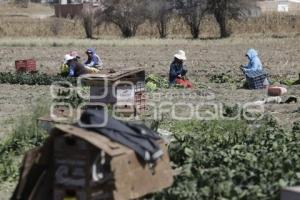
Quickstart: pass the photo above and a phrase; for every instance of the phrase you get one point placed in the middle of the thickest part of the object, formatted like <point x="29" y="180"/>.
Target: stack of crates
<point x="256" y="79"/>
<point x="129" y="98"/>
<point x="140" y="97"/>
<point x="28" y="65"/>
<point x="74" y="170"/>
<point x="90" y="166"/>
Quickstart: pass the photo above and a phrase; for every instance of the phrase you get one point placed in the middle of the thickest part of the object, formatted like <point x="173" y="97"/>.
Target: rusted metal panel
<point x="130" y="82"/>
<point x="292" y="193"/>
<point x="110" y="147"/>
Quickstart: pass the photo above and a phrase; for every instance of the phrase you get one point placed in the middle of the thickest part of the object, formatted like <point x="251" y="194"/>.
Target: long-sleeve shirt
<point x="75" y="69"/>
<point x="176" y="69"/>
<point x="254" y="62"/>
<point x="93" y="60"/>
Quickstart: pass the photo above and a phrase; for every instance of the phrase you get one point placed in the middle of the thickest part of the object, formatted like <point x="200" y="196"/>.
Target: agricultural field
<point x="226" y="158"/>
<point x="208" y="61"/>
<point x="213" y="67"/>
<point x="229" y="157"/>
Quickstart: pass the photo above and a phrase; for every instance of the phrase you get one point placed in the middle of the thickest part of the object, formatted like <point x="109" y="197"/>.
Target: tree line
<point x="128" y="15"/>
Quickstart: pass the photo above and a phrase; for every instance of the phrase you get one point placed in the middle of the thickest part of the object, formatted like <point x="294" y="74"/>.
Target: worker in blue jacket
<point x="254" y="71"/>
<point x="178" y="71"/>
<point x="93" y="59"/>
<point x="254" y="64"/>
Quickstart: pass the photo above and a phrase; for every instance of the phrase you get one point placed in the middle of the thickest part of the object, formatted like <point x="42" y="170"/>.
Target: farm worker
<point x="93" y="59"/>
<point x="254" y="62"/>
<point x="178" y="71"/>
<point x="90" y="70"/>
<point x="64" y="68"/>
<point x="254" y="68"/>
<point x="75" y="68"/>
<point x="75" y="55"/>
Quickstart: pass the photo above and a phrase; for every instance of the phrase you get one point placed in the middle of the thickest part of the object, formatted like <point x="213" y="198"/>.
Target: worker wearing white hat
<point x="180" y="55"/>
<point x="178" y="71"/>
<point x="67" y="58"/>
<point x="72" y="67"/>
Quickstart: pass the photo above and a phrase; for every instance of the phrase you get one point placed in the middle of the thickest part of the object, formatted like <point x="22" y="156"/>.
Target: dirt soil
<point x="16" y="101"/>
<point x="281" y="58"/>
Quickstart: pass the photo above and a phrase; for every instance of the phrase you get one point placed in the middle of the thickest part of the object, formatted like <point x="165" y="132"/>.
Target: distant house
<point x="73" y="8"/>
<point x="281" y="6"/>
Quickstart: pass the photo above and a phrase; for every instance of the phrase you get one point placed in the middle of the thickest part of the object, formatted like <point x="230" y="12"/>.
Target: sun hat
<point x="67" y="58"/>
<point x="74" y="54"/>
<point x="180" y="55"/>
<point x="90" y="51"/>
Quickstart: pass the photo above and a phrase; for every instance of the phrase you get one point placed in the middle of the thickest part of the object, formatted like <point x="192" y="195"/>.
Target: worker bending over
<point x="177" y="74"/>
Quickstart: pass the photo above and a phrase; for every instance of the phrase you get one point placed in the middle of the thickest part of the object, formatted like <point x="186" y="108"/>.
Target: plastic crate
<point x="28" y="65"/>
<point x="256" y="80"/>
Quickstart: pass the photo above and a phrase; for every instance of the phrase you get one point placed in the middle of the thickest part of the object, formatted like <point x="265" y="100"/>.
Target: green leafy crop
<point x="232" y="160"/>
<point x="32" y="79"/>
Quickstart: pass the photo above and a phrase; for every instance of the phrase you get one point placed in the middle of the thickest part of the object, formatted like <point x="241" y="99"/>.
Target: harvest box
<point x="125" y="89"/>
<point x="76" y="163"/>
<point x="90" y="165"/>
<point x="28" y="65"/>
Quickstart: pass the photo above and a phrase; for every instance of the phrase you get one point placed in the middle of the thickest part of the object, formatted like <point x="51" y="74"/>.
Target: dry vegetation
<point x="33" y="9"/>
<point x="26" y="25"/>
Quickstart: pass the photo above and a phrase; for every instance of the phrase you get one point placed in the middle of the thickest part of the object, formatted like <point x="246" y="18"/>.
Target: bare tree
<point x="193" y="12"/>
<point x="56" y="26"/>
<point x="87" y="16"/>
<point x="128" y="15"/>
<point x="160" y="12"/>
<point x="226" y="9"/>
<point x="22" y="3"/>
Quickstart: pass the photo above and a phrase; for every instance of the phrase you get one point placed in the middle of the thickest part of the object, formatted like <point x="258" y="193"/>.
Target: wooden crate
<point x="28" y="65"/>
<point x="74" y="174"/>
<point x="291" y="193"/>
<point x="122" y="175"/>
<point x="136" y="101"/>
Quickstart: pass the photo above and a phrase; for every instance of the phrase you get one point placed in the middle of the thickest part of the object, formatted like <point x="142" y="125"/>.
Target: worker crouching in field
<point x="73" y="68"/>
<point x="256" y="77"/>
<point x="93" y="59"/>
<point x="177" y="74"/>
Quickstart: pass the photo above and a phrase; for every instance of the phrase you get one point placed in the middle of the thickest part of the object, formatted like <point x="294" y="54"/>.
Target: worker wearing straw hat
<point x="178" y="71"/>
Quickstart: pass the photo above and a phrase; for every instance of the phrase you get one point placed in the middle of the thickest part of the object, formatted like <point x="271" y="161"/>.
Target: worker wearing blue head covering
<point x="256" y="77"/>
<point x="93" y="59"/>
<point x="254" y="62"/>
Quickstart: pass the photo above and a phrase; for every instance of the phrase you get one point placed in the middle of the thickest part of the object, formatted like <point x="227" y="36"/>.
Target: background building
<point x="284" y="6"/>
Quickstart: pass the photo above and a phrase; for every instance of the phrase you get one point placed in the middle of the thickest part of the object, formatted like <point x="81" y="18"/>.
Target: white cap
<point x="67" y="58"/>
<point x="180" y="55"/>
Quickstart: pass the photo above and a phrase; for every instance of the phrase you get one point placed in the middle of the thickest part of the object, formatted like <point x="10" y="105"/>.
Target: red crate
<point x="28" y="65"/>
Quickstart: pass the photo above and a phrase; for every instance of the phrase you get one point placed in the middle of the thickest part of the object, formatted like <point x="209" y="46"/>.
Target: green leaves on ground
<point x="289" y="82"/>
<point x="26" y="135"/>
<point x="32" y="79"/>
<point x="222" y="78"/>
<point x="154" y="82"/>
<point x="232" y="160"/>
